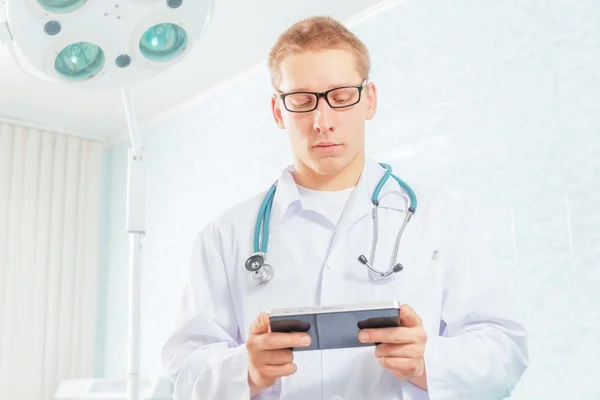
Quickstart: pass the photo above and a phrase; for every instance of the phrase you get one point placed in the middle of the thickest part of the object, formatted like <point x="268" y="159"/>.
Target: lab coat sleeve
<point x="204" y="356"/>
<point x="481" y="352"/>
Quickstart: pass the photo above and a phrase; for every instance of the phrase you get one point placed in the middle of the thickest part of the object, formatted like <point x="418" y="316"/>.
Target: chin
<point x="329" y="165"/>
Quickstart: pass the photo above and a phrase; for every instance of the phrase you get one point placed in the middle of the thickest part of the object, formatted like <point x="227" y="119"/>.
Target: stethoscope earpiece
<point x="397" y="268"/>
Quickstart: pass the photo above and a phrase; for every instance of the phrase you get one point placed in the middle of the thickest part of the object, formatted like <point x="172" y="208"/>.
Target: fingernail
<point x="305" y="340"/>
<point x="363" y="336"/>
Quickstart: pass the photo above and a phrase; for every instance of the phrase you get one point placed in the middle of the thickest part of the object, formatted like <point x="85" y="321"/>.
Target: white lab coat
<point x="476" y="348"/>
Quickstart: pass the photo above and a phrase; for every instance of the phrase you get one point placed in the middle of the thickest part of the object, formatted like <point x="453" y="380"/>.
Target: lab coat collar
<point x="287" y="201"/>
<point x="287" y="198"/>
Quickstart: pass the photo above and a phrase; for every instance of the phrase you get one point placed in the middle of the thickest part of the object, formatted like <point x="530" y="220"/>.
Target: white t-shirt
<point x="331" y="204"/>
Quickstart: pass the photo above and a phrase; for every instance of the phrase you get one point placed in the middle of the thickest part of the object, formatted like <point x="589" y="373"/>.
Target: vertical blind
<point x="49" y="189"/>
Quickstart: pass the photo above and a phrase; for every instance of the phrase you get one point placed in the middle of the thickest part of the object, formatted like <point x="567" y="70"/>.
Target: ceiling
<point x="233" y="44"/>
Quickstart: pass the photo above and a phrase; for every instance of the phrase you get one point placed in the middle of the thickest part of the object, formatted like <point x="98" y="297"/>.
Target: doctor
<point x="459" y="336"/>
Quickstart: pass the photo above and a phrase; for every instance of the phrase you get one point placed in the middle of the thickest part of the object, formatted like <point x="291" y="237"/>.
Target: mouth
<point x="326" y="145"/>
<point x="328" y="148"/>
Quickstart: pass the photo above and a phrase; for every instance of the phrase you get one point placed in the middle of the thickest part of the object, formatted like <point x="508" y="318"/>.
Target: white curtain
<point x="49" y="188"/>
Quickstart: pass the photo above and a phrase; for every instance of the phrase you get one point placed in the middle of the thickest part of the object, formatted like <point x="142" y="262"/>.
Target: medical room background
<point x="495" y="101"/>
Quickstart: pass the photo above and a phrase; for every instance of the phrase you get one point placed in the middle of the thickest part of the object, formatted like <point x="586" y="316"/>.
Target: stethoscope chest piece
<point x="261" y="276"/>
<point x="255" y="262"/>
<point x="259" y="271"/>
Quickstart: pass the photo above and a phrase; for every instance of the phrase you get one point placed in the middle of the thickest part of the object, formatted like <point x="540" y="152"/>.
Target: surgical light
<point x="102" y="44"/>
<point x="79" y="61"/>
<point x="163" y="42"/>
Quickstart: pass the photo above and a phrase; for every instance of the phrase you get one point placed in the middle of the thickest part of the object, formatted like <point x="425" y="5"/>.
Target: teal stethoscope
<point x="261" y="273"/>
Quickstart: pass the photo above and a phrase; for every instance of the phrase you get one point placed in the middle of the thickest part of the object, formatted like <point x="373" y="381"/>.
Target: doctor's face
<point x="325" y="140"/>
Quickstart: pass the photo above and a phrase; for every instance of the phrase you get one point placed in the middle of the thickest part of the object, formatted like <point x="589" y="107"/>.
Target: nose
<point x="323" y="118"/>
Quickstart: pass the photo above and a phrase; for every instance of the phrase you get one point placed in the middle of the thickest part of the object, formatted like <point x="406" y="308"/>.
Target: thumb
<point x="260" y="324"/>
<point x="409" y="318"/>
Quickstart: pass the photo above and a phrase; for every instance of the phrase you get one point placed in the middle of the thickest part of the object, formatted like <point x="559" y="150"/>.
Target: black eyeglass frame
<point x="325" y="96"/>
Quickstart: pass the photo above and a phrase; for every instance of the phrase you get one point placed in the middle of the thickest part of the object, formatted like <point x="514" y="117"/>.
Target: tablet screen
<point x="336" y="330"/>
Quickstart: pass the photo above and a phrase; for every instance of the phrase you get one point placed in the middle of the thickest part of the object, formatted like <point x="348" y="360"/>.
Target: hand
<point x="269" y="354"/>
<point x="401" y="349"/>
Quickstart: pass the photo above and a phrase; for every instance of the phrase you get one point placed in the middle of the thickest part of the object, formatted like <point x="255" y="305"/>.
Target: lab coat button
<point x="328" y="265"/>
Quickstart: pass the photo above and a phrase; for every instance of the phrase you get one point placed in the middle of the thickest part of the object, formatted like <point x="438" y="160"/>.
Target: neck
<point x="340" y="180"/>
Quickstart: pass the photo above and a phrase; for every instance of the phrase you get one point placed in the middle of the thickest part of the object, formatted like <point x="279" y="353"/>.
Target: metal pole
<point x="136" y="229"/>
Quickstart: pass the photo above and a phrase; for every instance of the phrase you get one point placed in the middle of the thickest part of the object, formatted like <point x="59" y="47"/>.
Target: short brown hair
<point x="316" y="34"/>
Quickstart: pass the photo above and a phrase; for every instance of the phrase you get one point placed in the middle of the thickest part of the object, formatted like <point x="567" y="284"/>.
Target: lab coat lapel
<point x="360" y="202"/>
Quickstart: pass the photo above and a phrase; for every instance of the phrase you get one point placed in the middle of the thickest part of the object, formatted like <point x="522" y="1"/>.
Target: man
<point x="458" y="337"/>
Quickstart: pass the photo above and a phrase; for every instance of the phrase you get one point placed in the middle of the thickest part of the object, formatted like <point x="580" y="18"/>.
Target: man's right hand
<point x="269" y="354"/>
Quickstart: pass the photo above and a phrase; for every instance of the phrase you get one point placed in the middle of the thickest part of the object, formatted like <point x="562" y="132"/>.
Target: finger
<point x="260" y="324"/>
<point x="409" y="318"/>
<point x="279" y="340"/>
<point x="404" y="366"/>
<point x="398" y="335"/>
<point x="276" y="371"/>
<point x="274" y="357"/>
<point x="399" y="351"/>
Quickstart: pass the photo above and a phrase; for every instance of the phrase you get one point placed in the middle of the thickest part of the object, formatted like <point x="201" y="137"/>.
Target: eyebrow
<point x="335" y="85"/>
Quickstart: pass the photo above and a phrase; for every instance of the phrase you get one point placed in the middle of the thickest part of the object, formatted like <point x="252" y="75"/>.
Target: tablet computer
<point x="337" y="326"/>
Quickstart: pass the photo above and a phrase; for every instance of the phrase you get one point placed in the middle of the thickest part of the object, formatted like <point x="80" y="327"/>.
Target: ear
<point x="276" y="109"/>
<point x="371" y="94"/>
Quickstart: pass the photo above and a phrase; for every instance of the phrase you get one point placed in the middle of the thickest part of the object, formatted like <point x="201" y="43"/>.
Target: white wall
<point x="498" y="100"/>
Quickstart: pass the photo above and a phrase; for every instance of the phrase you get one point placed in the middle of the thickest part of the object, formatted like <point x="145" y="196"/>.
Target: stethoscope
<point x="261" y="273"/>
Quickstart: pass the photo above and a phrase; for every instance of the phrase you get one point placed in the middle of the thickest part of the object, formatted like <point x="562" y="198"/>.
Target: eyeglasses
<point x="341" y="97"/>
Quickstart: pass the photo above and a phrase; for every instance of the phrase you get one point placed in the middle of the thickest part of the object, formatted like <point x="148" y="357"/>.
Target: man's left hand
<point x="401" y="349"/>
